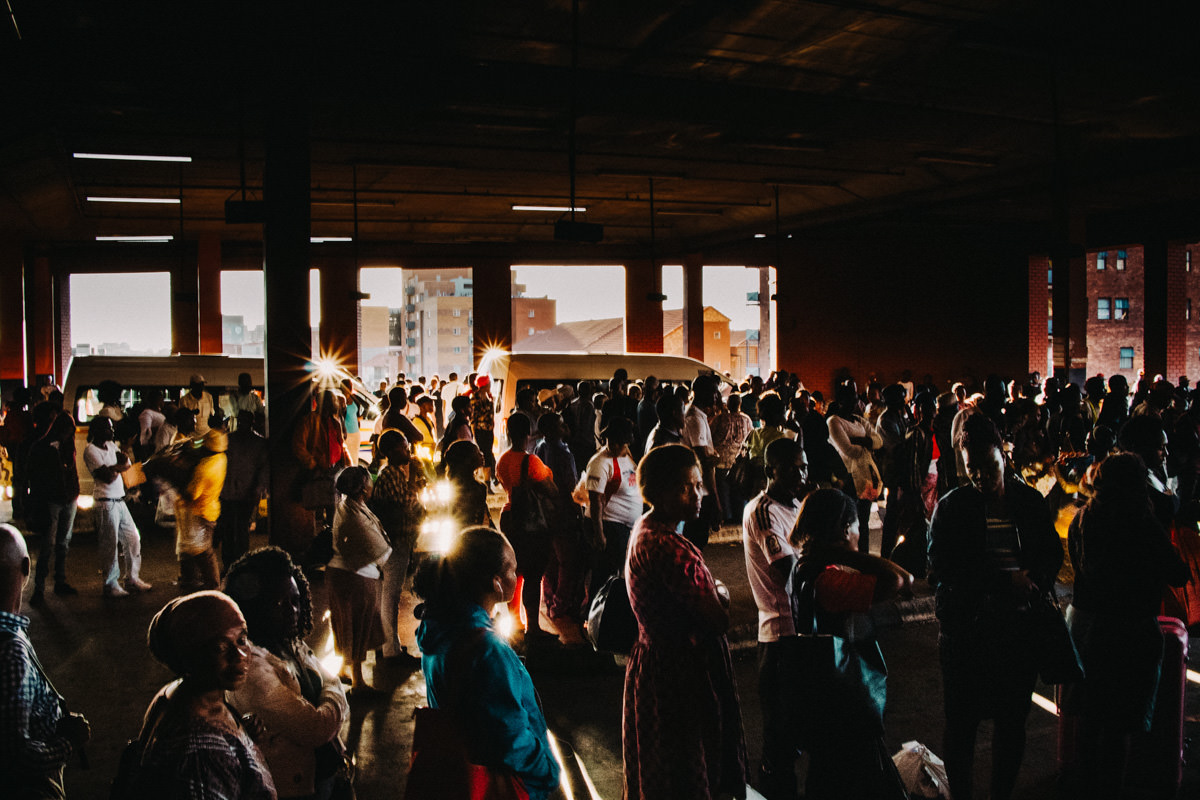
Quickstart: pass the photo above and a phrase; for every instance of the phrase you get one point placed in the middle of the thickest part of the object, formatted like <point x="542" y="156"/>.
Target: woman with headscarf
<point x="192" y="744"/>
<point x="360" y="548"/>
<point x="300" y="705"/>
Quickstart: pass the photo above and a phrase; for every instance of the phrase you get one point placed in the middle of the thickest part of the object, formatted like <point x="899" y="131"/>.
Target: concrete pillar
<point x="12" y="313"/>
<point x="643" y="307"/>
<point x="286" y="260"/>
<point x="185" y="303"/>
<point x="693" y="306"/>
<point x="338" y="334"/>
<point x="764" y="321"/>
<point x="492" y="287"/>
<point x="62" y="331"/>
<point x="1039" y="312"/>
<point x="1165" y="342"/>
<point x="208" y="261"/>
<point x="39" y="315"/>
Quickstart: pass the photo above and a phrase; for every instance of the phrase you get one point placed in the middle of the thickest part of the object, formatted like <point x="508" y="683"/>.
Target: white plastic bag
<point x="923" y="773"/>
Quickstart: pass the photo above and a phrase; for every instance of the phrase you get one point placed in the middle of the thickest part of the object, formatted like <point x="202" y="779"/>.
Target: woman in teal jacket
<point x="470" y="670"/>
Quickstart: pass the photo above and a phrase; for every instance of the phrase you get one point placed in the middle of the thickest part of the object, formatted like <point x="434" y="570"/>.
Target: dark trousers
<point x="864" y="526"/>
<point x="233" y="529"/>
<point x="610" y="560"/>
<point x="778" y="734"/>
<point x="891" y="522"/>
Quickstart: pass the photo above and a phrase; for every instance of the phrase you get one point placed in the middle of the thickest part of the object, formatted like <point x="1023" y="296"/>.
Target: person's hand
<point x="861" y="441"/>
<point x="253" y="726"/>
<point x="122" y="459"/>
<point x="75" y="729"/>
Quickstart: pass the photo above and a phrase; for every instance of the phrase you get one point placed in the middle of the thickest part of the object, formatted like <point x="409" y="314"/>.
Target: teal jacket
<point x="497" y="705"/>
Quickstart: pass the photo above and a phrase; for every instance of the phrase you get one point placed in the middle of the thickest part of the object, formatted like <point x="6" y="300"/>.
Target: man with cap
<point x="199" y="401"/>
<point x="37" y="733"/>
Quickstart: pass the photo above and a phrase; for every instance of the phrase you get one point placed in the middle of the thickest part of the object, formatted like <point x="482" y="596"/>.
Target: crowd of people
<point x="630" y="478"/>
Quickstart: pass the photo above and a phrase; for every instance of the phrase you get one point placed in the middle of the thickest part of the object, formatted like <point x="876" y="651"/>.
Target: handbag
<point x="611" y="625"/>
<point x="833" y="686"/>
<point x="531" y="511"/>
<point x="1057" y="657"/>
<point x="441" y="767"/>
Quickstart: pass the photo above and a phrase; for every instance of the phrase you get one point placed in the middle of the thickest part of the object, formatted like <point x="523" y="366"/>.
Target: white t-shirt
<point x="696" y="433"/>
<point x="449" y="392"/>
<point x="625" y="504"/>
<point x="202" y="405"/>
<point x="95" y="457"/>
<point x="765" y="529"/>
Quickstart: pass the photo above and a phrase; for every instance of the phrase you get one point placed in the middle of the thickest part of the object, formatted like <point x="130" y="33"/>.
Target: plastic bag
<point x="923" y="773"/>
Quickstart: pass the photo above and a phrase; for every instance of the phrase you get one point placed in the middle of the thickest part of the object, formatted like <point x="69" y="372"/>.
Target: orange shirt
<point x="508" y="469"/>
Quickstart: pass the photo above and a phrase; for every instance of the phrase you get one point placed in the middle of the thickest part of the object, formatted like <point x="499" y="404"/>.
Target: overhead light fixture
<point x="324" y="239"/>
<point x="760" y="236"/>
<point x="579" y="209"/>
<point x="954" y="158"/>
<point x="157" y="200"/>
<point x="126" y="157"/>
<point x="134" y="238"/>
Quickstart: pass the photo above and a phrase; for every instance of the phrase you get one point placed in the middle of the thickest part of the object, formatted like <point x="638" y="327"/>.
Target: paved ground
<point x="94" y="650"/>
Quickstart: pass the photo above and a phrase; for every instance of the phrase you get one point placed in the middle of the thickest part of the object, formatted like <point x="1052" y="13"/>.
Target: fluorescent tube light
<point x="162" y="200"/>
<point x="134" y="238"/>
<point x="126" y="157"/>
<point x="323" y="239"/>
<point x="548" y="208"/>
<point x="760" y="236"/>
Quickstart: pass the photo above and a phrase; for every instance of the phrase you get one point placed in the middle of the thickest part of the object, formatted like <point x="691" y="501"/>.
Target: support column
<point x="764" y="320"/>
<point x="39" y="319"/>
<point x="643" y="307"/>
<point x="1165" y="342"/>
<point x="208" y="260"/>
<point x="338" y="334"/>
<point x="62" y="331"/>
<point x="286" y="260"/>
<point x="1039" y="313"/>
<point x="185" y="303"/>
<point x="12" y="314"/>
<point x="493" y="322"/>
<point x="693" y="306"/>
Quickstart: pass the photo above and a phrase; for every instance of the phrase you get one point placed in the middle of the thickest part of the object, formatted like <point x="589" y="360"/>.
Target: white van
<point x="512" y="371"/>
<point x="137" y="375"/>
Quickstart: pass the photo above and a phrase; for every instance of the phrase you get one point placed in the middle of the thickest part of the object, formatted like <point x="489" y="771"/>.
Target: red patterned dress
<point x="682" y="726"/>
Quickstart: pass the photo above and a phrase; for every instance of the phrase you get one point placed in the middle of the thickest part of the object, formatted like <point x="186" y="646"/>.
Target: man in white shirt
<point x="767" y="523"/>
<point x="697" y="435"/>
<point x="199" y="401"/>
<point x="113" y="520"/>
<point x="244" y="399"/>
<point x="449" y="392"/>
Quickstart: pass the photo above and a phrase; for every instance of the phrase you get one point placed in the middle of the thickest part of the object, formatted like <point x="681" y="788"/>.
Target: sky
<point x="136" y="308"/>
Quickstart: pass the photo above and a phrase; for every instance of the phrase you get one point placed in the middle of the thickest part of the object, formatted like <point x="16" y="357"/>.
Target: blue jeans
<point x="55" y="542"/>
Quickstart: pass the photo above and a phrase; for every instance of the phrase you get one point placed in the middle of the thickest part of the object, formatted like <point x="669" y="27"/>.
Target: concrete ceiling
<point x="443" y="115"/>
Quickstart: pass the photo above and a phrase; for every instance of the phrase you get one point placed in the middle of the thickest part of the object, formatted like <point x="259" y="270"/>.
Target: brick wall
<point x="544" y="310"/>
<point x="1191" y="291"/>
<point x="1106" y="337"/>
<point x="1039" y="314"/>
<point x="643" y="316"/>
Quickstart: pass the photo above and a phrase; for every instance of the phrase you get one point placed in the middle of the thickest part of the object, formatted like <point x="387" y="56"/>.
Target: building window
<point x="456" y="312"/>
<point x="532" y="313"/>
<point x="1126" y="358"/>
<point x="458" y="331"/>
<point x="1103" y="308"/>
<point x="1050" y="277"/>
<point x="457" y="350"/>
<point x="532" y="331"/>
<point x="1121" y="308"/>
<point x="1101" y="260"/>
<point x="1121" y="259"/>
<point x="716" y="334"/>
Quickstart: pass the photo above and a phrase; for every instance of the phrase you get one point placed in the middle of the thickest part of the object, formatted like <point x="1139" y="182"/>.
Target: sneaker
<point x="138" y="585"/>
<point x="65" y="589"/>
<point x="38" y="597"/>
<point x="115" y="590"/>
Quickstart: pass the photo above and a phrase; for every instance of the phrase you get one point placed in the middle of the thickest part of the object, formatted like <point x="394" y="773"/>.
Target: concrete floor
<point x="94" y="650"/>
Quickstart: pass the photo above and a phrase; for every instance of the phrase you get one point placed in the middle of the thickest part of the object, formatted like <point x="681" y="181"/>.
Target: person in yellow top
<point x="197" y="514"/>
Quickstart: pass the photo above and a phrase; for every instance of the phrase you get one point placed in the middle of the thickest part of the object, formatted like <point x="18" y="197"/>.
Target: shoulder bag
<point x="833" y="686"/>
<point x="531" y="511"/>
<point x="611" y="625"/>
<point x="1057" y="657"/>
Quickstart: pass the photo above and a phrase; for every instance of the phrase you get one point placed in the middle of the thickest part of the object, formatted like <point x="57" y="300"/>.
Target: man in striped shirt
<point x="768" y="520"/>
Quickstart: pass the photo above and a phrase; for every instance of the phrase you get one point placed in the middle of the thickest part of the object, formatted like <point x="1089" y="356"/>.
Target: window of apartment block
<point x="458" y="331"/>
<point x="1126" y="358"/>
<point x="1101" y="260"/>
<point x="716" y="334"/>
<point x="456" y="312"/>
<point x="1103" y="308"/>
<point x="532" y="313"/>
<point x="1121" y="308"/>
<point x="532" y="331"/>
<point x="1121" y="259"/>
<point x="458" y="350"/>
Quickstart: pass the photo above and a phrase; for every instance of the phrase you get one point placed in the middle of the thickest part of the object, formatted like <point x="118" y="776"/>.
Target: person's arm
<point x="890" y="578"/>
<point x="105" y="473"/>
<point x="782" y="568"/>
<point x="285" y="712"/>
<point x="18" y="678"/>
<point x="596" y="503"/>
<point x="504" y="729"/>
